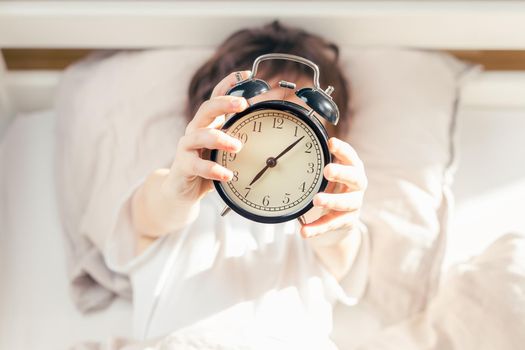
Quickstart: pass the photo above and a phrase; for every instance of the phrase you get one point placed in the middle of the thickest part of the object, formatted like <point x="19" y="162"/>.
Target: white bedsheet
<point x="489" y="186"/>
<point x="36" y="311"/>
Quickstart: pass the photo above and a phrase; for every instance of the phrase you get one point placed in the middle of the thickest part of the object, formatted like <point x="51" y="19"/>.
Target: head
<point x="239" y="51"/>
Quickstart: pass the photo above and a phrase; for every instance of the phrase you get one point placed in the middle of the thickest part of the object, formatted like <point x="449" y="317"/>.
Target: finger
<point x="331" y="187"/>
<point x="206" y="169"/>
<point x="227" y="82"/>
<point x="348" y="201"/>
<point x="211" y="109"/>
<point x="210" y="139"/>
<point x="332" y="221"/>
<point x="344" y="152"/>
<point x="353" y="177"/>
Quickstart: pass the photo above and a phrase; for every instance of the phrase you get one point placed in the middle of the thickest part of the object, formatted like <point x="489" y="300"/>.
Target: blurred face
<point x="279" y="93"/>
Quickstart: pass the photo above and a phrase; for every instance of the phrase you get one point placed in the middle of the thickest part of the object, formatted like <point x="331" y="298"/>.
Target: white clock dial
<point x="280" y="167"/>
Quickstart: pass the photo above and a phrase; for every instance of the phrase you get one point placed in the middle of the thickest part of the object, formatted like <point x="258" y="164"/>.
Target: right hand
<point x="168" y="199"/>
<point x="190" y="175"/>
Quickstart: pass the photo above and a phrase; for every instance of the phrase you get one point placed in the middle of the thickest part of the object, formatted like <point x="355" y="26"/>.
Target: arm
<point x="155" y="212"/>
<point x="169" y="198"/>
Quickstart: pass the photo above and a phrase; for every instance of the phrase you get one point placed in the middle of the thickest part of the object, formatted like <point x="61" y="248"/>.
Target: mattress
<point x="36" y="311"/>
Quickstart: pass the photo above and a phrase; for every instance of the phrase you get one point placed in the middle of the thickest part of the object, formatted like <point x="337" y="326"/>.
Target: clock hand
<point x="260" y="173"/>
<point x="271" y="162"/>
<point x="289" y="148"/>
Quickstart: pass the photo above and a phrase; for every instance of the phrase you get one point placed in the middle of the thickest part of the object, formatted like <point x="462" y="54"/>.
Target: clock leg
<point x="302" y="220"/>
<point x="225" y="210"/>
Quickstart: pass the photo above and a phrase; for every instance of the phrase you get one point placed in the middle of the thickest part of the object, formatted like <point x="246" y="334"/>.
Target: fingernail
<point x="326" y="172"/>
<point x="331" y="144"/>
<point x="236" y="144"/>
<point x="237" y="102"/>
<point x="304" y="232"/>
<point x="227" y="176"/>
<point x="330" y="172"/>
<point x="319" y="201"/>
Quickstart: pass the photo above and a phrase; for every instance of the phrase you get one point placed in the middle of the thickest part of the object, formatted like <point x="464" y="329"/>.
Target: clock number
<point x="266" y="200"/>
<point x="310" y="168"/>
<point x="243" y="137"/>
<point x="286" y="199"/>
<point x="309" y="146"/>
<point x="278" y="123"/>
<point x="257" y="126"/>
<point x="235" y="176"/>
<point x="295" y="132"/>
<point x="232" y="156"/>
<point x="303" y="186"/>
<point x="248" y="189"/>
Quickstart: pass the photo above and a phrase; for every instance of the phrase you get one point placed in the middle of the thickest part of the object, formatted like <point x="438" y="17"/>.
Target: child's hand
<point x="190" y="174"/>
<point x="343" y="197"/>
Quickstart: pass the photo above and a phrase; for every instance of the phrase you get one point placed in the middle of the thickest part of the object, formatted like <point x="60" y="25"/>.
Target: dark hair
<point x="239" y="51"/>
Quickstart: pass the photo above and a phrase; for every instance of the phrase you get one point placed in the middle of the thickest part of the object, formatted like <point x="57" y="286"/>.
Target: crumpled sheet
<point x="480" y="305"/>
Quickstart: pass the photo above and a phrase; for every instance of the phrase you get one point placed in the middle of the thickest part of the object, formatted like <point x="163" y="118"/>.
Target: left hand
<point x="342" y="200"/>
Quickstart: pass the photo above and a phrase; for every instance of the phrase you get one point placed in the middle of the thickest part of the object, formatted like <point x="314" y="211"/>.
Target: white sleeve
<point x="120" y="245"/>
<point x="352" y="286"/>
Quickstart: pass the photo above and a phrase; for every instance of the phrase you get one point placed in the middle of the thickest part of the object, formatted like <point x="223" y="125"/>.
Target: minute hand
<point x="289" y="148"/>
<point x="274" y="161"/>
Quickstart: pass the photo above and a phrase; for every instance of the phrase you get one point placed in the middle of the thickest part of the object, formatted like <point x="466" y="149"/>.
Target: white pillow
<point x="404" y="104"/>
<point x="109" y="106"/>
<point x="119" y="102"/>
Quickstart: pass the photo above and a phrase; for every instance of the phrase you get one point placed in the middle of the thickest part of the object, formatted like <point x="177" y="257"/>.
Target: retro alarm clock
<point x="285" y="149"/>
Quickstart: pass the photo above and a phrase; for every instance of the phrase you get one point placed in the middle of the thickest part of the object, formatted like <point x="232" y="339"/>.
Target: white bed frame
<point x="150" y="24"/>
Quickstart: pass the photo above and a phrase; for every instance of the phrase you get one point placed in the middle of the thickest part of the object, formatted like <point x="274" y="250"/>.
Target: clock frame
<point x="307" y="118"/>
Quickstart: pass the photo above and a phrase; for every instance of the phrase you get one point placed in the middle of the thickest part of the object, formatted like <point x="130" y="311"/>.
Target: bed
<point x="35" y="307"/>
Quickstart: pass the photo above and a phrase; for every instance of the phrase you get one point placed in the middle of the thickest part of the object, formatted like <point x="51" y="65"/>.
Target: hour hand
<point x="259" y="174"/>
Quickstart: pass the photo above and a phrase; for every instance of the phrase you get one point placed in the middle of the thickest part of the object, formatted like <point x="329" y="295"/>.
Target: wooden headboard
<point x="38" y="38"/>
<point x="58" y="59"/>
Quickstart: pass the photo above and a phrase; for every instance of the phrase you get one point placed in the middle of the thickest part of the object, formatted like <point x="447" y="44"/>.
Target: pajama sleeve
<point x="351" y="287"/>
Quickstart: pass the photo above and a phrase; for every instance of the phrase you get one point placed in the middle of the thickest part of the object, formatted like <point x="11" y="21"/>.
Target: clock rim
<point x="317" y="128"/>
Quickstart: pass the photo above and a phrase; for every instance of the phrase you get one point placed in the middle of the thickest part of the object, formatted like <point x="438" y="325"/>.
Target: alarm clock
<point x="285" y="149"/>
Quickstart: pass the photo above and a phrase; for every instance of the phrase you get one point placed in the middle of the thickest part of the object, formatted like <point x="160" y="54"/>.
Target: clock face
<point x="280" y="167"/>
